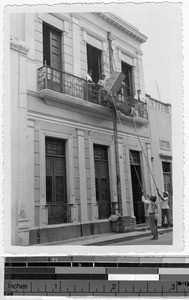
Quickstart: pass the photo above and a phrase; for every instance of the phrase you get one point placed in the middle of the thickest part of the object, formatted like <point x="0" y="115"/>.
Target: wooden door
<point x="94" y="62"/>
<point x="51" y="47"/>
<point x="136" y="187"/>
<point x="127" y="71"/>
<point x="55" y="49"/>
<point x="102" y="181"/>
<point x="56" y="192"/>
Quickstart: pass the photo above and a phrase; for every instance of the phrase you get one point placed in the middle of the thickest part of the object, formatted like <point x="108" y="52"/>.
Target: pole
<point x="158" y="91"/>
<point x="118" y="183"/>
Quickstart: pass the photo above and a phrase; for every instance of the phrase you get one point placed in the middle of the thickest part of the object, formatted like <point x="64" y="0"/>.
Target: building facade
<point x="63" y="164"/>
<point x="159" y="116"/>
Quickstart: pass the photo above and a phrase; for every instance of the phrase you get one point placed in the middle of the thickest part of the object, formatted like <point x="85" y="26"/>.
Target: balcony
<point x="65" y="83"/>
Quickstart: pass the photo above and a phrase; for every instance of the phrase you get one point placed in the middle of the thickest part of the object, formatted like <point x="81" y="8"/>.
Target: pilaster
<point x="30" y="171"/>
<point x="30" y="34"/>
<point x="76" y="47"/>
<point x="152" y="184"/>
<point x="70" y="171"/>
<point x="22" y="181"/>
<point x="129" y="181"/>
<point x="43" y="210"/>
<point x="141" y="75"/>
<point x="82" y="176"/>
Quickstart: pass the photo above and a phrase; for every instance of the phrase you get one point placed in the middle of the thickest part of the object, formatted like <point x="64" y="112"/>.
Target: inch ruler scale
<point x="96" y="276"/>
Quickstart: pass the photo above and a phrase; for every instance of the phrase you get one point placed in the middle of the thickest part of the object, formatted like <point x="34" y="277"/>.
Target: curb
<point x="126" y="238"/>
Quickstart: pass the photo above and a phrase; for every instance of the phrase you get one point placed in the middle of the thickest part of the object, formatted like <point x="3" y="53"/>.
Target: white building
<point x="62" y="138"/>
<point x="159" y="115"/>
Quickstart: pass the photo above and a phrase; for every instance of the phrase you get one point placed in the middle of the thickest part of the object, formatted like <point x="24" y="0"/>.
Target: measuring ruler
<point x="96" y="276"/>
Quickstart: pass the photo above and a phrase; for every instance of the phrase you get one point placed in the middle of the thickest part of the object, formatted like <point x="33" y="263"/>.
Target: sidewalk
<point x="108" y="238"/>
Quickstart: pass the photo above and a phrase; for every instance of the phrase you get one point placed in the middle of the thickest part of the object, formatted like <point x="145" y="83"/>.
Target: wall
<point x="159" y="129"/>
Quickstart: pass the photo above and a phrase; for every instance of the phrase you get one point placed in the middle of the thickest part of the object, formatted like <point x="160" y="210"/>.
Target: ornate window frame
<point x="43" y="133"/>
<point x="111" y="167"/>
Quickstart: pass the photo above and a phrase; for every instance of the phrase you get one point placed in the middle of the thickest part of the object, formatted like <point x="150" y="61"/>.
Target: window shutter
<point x="55" y="49"/>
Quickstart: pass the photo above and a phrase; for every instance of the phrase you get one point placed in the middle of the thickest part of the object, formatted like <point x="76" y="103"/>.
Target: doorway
<point x="167" y="178"/>
<point x="102" y="181"/>
<point x="127" y="71"/>
<point x="56" y="191"/>
<point x="136" y="180"/>
<point x="94" y="62"/>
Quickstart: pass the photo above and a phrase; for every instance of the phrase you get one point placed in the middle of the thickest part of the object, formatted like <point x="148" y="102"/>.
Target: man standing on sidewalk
<point x="152" y="211"/>
<point x="164" y="208"/>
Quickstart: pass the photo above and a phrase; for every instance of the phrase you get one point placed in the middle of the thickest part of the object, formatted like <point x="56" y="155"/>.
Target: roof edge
<point x="123" y="25"/>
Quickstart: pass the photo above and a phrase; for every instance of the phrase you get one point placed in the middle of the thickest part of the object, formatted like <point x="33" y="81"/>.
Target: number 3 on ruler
<point x="172" y="287"/>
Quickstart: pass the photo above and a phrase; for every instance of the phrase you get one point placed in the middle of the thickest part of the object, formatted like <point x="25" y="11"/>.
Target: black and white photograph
<point x="93" y="127"/>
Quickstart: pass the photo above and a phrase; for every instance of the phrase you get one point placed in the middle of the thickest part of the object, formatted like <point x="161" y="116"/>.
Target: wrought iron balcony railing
<point x="49" y="78"/>
<point x="59" y="213"/>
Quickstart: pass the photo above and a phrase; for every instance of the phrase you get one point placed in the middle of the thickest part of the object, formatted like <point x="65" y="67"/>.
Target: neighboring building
<point x="159" y="115"/>
<point x="62" y="140"/>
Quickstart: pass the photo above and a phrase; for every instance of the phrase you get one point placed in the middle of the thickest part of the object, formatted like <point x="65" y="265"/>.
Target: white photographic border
<point x="181" y="208"/>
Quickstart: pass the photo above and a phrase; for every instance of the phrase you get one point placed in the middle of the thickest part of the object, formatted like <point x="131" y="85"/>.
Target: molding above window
<point x="53" y="21"/>
<point x="87" y="33"/>
<point x="165" y="156"/>
<point x="128" y="59"/>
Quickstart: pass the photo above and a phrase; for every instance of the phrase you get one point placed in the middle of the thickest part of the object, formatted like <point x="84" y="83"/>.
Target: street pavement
<point x="137" y="237"/>
<point x="165" y="238"/>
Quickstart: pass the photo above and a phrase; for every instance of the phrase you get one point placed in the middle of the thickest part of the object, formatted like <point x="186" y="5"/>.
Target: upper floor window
<point x="51" y="47"/>
<point x="166" y="167"/>
<point x="94" y="62"/>
<point x="127" y="71"/>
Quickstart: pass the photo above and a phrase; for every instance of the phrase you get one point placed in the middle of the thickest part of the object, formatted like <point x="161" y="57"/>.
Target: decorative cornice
<point x="62" y="17"/>
<point x="18" y="46"/>
<point x="60" y="100"/>
<point x="156" y="104"/>
<point x="122" y="25"/>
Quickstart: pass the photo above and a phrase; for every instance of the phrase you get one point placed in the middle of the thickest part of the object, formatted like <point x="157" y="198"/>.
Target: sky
<point x="162" y="52"/>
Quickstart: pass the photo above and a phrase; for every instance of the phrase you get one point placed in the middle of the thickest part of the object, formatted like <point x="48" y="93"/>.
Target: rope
<point x="144" y="153"/>
<point x="140" y="145"/>
<point x="146" y="159"/>
<point x="136" y="170"/>
<point x="129" y="149"/>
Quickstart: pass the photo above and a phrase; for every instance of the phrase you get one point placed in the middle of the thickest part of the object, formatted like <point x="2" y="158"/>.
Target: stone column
<point x="82" y="176"/>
